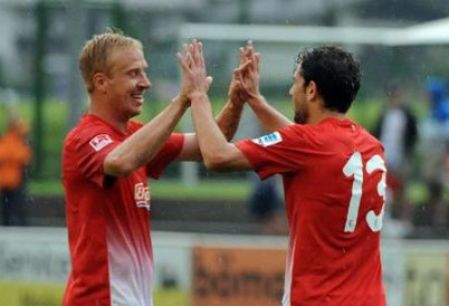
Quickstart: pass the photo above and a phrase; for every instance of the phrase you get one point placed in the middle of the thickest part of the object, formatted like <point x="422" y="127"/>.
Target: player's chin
<point x="137" y="105"/>
<point x="299" y="118"/>
<point x="135" y="111"/>
<point x="138" y="111"/>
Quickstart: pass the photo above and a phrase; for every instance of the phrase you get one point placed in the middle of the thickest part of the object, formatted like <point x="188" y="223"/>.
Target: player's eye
<point x="134" y="73"/>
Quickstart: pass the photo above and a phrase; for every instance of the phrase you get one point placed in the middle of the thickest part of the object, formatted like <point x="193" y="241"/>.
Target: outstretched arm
<point x="270" y="118"/>
<point x="218" y="154"/>
<point x="228" y="119"/>
<point x="142" y="146"/>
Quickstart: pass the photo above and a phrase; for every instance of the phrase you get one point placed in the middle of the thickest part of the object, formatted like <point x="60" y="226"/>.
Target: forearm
<point x="211" y="140"/>
<point x="142" y="146"/>
<point x="270" y="118"/>
<point x="229" y="118"/>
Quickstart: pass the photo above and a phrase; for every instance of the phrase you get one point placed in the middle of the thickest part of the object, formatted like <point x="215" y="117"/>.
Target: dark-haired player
<point x="333" y="173"/>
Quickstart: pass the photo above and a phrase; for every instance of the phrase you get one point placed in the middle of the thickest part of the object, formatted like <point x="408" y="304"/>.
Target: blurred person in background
<point x="397" y="130"/>
<point x="107" y="158"/>
<point x="333" y="173"/>
<point x="434" y="131"/>
<point x="15" y="157"/>
<point x="265" y="205"/>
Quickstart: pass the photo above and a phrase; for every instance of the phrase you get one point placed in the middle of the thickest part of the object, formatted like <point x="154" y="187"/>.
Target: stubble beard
<point x="301" y="116"/>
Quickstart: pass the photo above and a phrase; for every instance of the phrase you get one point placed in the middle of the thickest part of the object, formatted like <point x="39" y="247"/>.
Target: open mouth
<point x="138" y="97"/>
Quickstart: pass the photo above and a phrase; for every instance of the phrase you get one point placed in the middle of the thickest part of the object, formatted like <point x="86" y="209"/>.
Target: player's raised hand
<point x="236" y="92"/>
<point x="249" y="75"/>
<point x="184" y="60"/>
<point x="194" y="76"/>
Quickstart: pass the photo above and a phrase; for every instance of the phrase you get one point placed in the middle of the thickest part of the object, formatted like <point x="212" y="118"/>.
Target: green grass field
<point x="168" y="189"/>
<point x="50" y="294"/>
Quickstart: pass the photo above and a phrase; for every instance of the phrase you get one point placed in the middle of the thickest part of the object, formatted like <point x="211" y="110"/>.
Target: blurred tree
<point x="76" y="14"/>
<point x="121" y="20"/>
<point x="118" y="16"/>
<point x="244" y="12"/>
<point x="39" y="86"/>
<point x="2" y="74"/>
<point x="403" y="10"/>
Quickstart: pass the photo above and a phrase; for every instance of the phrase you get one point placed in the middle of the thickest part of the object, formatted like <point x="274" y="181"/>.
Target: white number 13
<point x="354" y="168"/>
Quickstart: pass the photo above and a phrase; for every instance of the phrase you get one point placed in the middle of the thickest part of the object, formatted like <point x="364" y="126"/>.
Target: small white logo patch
<point x="100" y="141"/>
<point x="269" y="139"/>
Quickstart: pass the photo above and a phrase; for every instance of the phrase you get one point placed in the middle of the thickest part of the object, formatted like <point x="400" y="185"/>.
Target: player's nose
<point x="145" y="82"/>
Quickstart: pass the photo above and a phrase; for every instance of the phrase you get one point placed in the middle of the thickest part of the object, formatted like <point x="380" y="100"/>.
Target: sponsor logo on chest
<point x="142" y="195"/>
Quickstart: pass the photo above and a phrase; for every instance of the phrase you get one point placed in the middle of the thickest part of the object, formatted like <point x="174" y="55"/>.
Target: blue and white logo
<point x="269" y="139"/>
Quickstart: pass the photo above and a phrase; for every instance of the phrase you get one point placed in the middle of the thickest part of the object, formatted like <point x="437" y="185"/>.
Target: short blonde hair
<point x="96" y="52"/>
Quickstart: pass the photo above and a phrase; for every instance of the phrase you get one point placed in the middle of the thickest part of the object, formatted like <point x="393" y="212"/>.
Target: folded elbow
<point x="118" y="167"/>
<point x="215" y="163"/>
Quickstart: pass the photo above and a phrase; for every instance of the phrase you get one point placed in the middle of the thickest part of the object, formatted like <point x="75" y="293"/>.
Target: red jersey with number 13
<point x="334" y="183"/>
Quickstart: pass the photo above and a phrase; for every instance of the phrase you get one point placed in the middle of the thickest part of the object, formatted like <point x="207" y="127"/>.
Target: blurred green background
<point x="225" y="186"/>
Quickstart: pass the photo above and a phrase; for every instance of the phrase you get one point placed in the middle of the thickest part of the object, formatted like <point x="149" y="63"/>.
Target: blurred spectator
<point x="397" y="130"/>
<point x="169" y="279"/>
<point x="266" y="205"/>
<point x="439" y="100"/>
<point x="435" y="136"/>
<point x="15" y="155"/>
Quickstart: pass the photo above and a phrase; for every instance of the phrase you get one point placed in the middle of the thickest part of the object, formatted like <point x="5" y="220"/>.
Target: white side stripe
<point x="288" y="274"/>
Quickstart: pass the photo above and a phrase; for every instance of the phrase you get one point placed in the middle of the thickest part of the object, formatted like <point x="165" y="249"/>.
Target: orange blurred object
<point x="15" y="154"/>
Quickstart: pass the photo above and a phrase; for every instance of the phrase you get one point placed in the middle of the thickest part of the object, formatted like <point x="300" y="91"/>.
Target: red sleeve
<point x="91" y="148"/>
<point x="171" y="149"/>
<point x="283" y="151"/>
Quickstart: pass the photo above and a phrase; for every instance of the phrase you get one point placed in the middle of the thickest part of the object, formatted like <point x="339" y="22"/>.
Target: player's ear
<point x="312" y="90"/>
<point x="99" y="82"/>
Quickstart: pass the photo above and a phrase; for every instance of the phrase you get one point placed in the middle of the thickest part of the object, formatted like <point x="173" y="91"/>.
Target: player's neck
<point x="107" y="115"/>
<point x="317" y="117"/>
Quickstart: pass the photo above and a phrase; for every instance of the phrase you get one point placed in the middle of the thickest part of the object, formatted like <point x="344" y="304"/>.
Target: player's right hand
<point x="194" y="76"/>
<point x="249" y="75"/>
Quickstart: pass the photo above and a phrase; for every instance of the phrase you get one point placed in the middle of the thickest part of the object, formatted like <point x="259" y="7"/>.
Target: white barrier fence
<point x="415" y="272"/>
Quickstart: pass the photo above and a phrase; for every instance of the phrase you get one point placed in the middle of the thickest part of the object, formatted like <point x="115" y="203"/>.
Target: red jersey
<point x="108" y="218"/>
<point x="334" y="184"/>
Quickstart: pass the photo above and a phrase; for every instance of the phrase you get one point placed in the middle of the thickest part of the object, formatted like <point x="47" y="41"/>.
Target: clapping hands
<point x="195" y="80"/>
<point x="245" y="79"/>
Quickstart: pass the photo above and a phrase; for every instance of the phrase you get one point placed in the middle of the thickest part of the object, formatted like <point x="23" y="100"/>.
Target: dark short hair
<point x="335" y="72"/>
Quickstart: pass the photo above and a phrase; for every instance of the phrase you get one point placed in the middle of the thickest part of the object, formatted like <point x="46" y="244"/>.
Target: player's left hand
<point x="195" y="80"/>
<point x="236" y="92"/>
<point x="246" y="77"/>
<point x="250" y="77"/>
